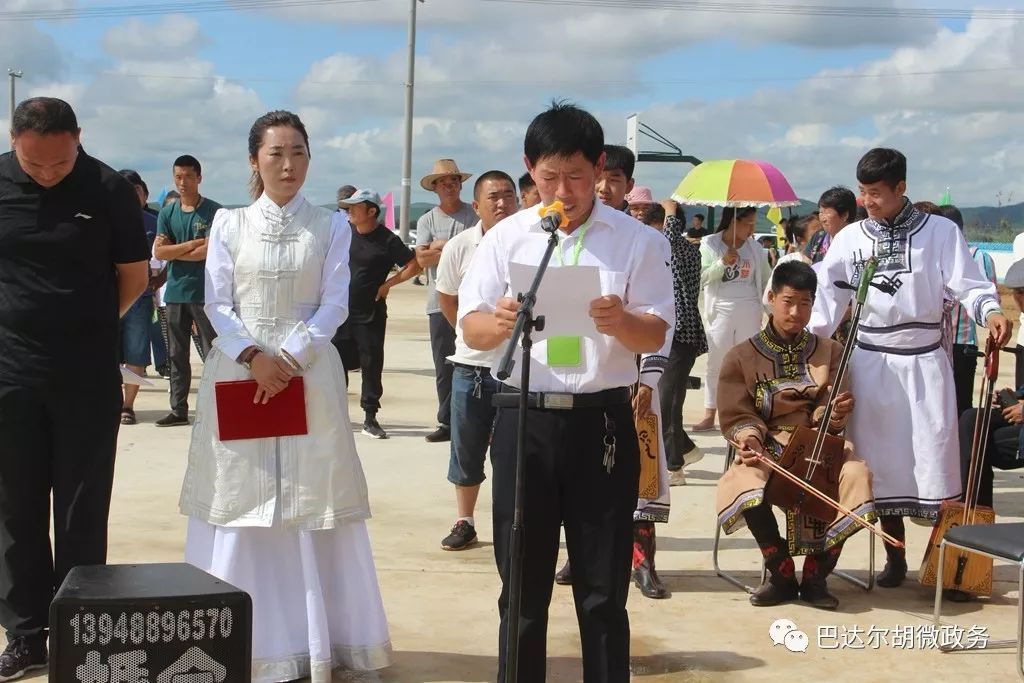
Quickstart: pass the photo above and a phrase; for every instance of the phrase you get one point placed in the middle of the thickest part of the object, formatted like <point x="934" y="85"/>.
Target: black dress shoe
<point x="442" y="433"/>
<point x="563" y="577"/>
<point x="646" y="579"/>
<point x="815" y="593"/>
<point x="771" y="593"/>
<point x="956" y="595"/>
<point x="172" y="420"/>
<point x="893" y="574"/>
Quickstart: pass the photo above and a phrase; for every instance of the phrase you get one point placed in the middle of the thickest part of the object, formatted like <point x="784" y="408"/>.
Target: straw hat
<point x="442" y="168"/>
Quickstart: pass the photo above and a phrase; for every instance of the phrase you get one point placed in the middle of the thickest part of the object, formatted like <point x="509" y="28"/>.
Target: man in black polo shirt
<point x="73" y="258"/>
<point x="374" y="251"/>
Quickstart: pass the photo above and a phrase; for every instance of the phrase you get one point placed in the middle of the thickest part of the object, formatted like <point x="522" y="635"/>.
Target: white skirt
<point x="316" y="604"/>
<point x="904" y="427"/>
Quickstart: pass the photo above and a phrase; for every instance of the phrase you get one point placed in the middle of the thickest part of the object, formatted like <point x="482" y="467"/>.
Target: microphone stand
<point x="525" y="324"/>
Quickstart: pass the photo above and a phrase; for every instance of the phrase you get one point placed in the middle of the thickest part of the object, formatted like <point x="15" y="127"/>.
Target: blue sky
<point x="719" y="85"/>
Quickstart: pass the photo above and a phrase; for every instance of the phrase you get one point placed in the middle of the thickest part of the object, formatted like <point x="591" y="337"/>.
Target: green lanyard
<point x="577" y="248"/>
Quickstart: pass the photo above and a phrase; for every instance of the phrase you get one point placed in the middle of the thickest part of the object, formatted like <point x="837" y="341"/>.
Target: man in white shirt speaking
<point x="582" y="459"/>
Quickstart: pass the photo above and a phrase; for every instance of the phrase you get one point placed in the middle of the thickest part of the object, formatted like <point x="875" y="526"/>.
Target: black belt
<point x="464" y="366"/>
<point x="554" y="401"/>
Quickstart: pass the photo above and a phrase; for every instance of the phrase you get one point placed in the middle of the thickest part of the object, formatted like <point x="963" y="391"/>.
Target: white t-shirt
<point x="738" y="278"/>
<point x="454" y="264"/>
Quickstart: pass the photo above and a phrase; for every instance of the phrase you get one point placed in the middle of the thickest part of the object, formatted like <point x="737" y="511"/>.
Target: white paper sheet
<point x="563" y="299"/>
<point x="129" y="377"/>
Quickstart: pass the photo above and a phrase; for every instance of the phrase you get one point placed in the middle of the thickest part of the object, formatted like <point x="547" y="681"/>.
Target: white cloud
<point x="627" y="29"/>
<point x="808" y="134"/>
<point x="959" y="128"/>
<point x="170" y="37"/>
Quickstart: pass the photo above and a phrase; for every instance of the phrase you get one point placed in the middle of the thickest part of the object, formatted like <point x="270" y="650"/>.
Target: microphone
<point x="553" y="216"/>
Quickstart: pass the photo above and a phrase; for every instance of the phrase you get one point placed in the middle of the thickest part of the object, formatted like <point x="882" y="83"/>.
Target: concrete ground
<point x="442" y="606"/>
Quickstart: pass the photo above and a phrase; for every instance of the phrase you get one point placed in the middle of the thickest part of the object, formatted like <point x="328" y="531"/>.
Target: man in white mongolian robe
<point x="284" y="518"/>
<point x="905" y="425"/>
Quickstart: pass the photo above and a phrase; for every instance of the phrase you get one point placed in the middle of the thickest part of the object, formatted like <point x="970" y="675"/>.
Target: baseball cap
<point x="361" y="196"/>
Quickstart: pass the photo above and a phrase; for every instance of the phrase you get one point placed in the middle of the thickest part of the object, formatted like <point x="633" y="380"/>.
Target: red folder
<point x="239" y="418"/>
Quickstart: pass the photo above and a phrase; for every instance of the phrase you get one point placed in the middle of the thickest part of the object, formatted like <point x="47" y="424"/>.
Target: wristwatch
<point x="248" y="355"/>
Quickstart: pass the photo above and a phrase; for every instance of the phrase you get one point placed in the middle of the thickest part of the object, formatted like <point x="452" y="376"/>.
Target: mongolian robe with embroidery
<point x="768" y="388"/>
<point x="905" y="421"/>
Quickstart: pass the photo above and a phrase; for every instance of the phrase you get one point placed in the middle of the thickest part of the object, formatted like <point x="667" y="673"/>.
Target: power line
<point x="139" y="9"/>
<point x="578" y="82"/>
<point x="150" y="9"/>
<point x="854" y="11"/>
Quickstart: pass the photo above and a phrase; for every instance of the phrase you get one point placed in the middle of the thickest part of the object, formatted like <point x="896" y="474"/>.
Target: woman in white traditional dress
<point x="283" y="518"/>
<point x="733" y="272"/>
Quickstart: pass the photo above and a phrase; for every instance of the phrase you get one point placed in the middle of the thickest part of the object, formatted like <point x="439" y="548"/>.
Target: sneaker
<point x="462" y="536"/>
<point x="23" y="654"/>
<point x="172" y="420"/>
<point x="373" y="429"/>
<point x="442" y="433"/>
<point x="676" y="478"/>
<point x="694" y="456"/>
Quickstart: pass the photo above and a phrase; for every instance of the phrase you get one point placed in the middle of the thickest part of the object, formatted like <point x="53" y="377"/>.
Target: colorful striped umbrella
<point x="736" y="183"/>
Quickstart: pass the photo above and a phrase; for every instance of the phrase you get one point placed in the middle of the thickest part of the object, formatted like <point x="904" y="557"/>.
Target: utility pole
<point x="12" y="74"/>
<point x="410" y="80"/>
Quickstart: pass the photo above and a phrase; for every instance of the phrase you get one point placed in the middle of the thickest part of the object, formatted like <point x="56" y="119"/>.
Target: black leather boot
<point x="895" y="570"/>
<point x="781" y="586"/>
<point x="813" y="584"/>
<point x="645" y="576"/>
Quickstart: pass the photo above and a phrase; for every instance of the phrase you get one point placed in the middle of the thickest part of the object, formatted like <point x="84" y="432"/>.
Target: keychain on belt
<point x="609" y="444"/>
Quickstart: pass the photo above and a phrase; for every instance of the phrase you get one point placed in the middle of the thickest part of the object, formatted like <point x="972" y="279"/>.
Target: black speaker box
<point x="149" y="623"/>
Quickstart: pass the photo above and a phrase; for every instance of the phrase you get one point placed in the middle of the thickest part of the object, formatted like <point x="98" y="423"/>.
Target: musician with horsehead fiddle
<point x="905" y="426"/>
<point x="772" y="388"/>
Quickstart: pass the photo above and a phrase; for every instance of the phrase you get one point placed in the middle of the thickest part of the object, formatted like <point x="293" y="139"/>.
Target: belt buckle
<point x="557" y="401"/>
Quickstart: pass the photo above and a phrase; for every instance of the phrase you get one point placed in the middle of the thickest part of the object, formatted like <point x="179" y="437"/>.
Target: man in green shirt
<point x="182" y="229"/>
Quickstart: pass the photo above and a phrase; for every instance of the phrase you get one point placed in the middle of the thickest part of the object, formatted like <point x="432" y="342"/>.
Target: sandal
<point x="128" y="416"/>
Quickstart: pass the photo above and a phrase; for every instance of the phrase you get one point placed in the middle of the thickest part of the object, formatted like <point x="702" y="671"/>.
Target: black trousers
<point x="442" y="345"/>
<point x="567" y="482"/>
<point x="1018" y="367"/>
<point x="364" y="341"/>
<point x="179" y="333"/>
<point x="58" y="440"/>
<point x="672" y="387"/>
<point x="965" y="363"/>
<point x="1003" y="442"/>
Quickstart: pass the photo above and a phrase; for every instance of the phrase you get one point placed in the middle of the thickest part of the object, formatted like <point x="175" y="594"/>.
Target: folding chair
<point x="866" y="585"/>
<point x="1003" y="542"/>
